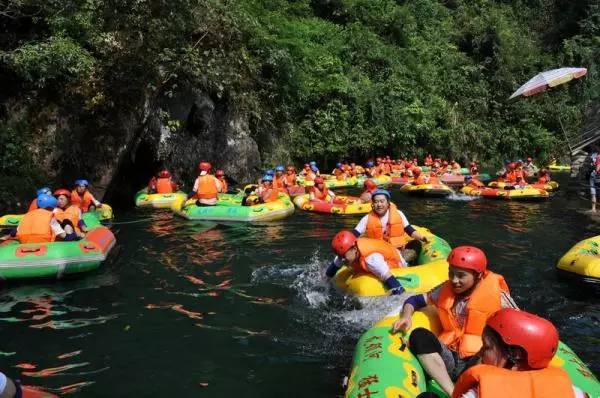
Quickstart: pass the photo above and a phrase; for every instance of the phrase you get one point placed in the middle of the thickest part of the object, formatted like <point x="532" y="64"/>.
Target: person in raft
<point x="319" y="192"/>
<point x="33" y="205"/>
<point x="82" y="197"/>
<point x="264" y="193"/>
<point x="464" y="302"/>
<point x="162" y="182"/>
<point x="374" y="256"/>
<point x="69" y="216"/>
<point x="385" y="222"/>
<point x="39" y="225"/>
<point x="206" y="187"/>
<point x="367" y="194"/>
<point x="515" y="358"/>
<point x="220" y="174"/>
<point x="290" y="177"/>
<point x="279" y="179"/>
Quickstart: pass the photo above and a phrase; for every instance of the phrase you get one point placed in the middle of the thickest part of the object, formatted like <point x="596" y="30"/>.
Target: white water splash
<point x="461" y="197"/>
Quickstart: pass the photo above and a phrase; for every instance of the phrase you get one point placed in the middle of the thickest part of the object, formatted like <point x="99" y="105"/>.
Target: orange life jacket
<point x="420" y="180"/>
<point x="35" y="227"/>
<point x="71" y="213"/>
<point x="482" y="303"/>
<point x="270" y="195"/>
<point x="224" y="186"/>
<point x="519" y="176"/>
<point x="386" y="169"/>
<point x="494" y="382"/>
<point x="290" y="179"/>
<point x="164" y="185"/>
<point x="278" y="182"/>
<point x="543" y="180"/>
<point x="511" y="177"/>
<point x="83" y="203"/>
<point x="33" y="205"/>
<point x="310" y="175"/>
<point x="207" y="187"/>
<point x="359" y="170"/>
<point x="339" y="174"/>
<point x="318" y="194"/>
<point x="368" y="246"/>
<point x="395" y="233"/>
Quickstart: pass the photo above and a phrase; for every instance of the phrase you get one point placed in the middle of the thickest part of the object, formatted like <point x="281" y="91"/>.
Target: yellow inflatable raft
<point x="104" y="213"/>
<point x="524" y="194"/>
<point x="549" y="186"/>
<point x="431" y="271"/>
<point x="556" y="167"/>
<point x="583" y="260"/>
<point x="384" y="366"/>
<point x="341" y="205"/>
<point x="157" y="200"/>
<point x="434" y="190"/>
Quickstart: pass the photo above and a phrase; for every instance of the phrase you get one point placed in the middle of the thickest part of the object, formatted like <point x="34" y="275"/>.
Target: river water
<point x="199" y="309"/>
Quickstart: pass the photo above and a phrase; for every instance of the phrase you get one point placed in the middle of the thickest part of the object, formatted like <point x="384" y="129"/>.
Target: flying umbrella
<point x="550" y="78"/>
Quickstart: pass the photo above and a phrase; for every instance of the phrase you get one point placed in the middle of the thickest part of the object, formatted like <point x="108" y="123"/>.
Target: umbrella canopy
<point x="550" y="78"/>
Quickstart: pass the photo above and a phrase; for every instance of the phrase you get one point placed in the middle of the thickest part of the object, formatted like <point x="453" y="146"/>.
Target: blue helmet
<point x="83" y="183"/>
<point x="314" y="168"/>
<point x="338" y="165"/>
<point x="44" y="191"/>
<point x="312" y="163"/>
<point x="45" y="201"/>
<point x="370" y="163"/>
<point x="382" y="192"/>
<point x="467" y="178"/>
<point x="267" y="177"/>
<point x="270" y="172"/>
<point x="279" y="168"/>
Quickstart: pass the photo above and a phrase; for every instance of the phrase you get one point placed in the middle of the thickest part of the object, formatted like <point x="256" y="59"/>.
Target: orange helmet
<point x="370" y="185"/>
<point x="469" y="257"/>
<point x="342" y="242"/>
<point x="537" y="336"/>
<point x="204" y="166"/>
<point x="62" y="191"/>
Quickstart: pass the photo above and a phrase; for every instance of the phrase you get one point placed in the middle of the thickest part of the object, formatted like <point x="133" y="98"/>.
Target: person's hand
<point x="81" y="235"/>
<point x="402" y="324"/>
<point x="424" y="239"/>
<point x="83" y="228"/>
<point x="99" y="205"/>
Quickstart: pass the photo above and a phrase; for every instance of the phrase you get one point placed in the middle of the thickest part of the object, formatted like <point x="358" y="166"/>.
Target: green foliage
<point x="336" y="78"/>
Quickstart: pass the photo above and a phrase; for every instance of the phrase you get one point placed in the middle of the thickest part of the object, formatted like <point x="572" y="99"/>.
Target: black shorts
<point x="422" y="341"/>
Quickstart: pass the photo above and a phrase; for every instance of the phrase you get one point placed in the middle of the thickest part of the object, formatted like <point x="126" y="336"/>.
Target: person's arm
<point x="506" y="301"/>
<point x="334" y="266"/>
<point x="410" y="230"/>
<point x="81" y="223"/>
<point x="94" y="201"/>
<point x="361" y="227"/>
<point x="409" y="307"/>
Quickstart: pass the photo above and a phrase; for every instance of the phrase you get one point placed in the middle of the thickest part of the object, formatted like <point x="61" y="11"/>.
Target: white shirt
<point x="472" y="393"/>
<point x="361" y="227"/>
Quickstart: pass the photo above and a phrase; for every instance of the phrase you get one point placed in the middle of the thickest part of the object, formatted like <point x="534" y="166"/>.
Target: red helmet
<point x="529" y="159"/>
<point x="164" y="174"/>
<point x="416" y="171"/>
<point x="342" y="242"/>
<point x="473" y="164"/>
<point x="219" y="173"/>
<point x="204" y="166"/>
<point x="306" y="166"/>
<point x="445" y="163"/>
<point x="468" y="257"/>
<point x="512" y="165"/>
<point x="370" y="185"/>
<point x="537" y="336"/>
<point x="319" y="180"/>
<point x="62" y="191"/>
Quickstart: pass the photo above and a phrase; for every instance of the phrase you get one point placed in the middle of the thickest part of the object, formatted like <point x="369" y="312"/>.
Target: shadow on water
<point x="204" y="309"/>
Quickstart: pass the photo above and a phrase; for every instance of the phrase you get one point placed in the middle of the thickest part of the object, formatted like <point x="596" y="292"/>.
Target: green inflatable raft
<point x="229" y="208"/>
<point x="384" y="367"/>
<point x="104" y="213"/>
<point x="57" y="259"/>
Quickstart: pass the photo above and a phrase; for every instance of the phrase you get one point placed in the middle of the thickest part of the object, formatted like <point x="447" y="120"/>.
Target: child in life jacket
<point x="319" y="192"/>
<point x="161" y="183"/>
<point x="206" y="187"/>
<point x="82" y="197"/>
<point x="464" y="302"/>
<point x="290" y="177"/>
<point x="279" y="179"/>
<point x="374" y="256"/>
<point x="39" y="225"/>
<point x="69" y="216"/>
<point x="515" y="361"/>
<point x="33" y="205"/>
